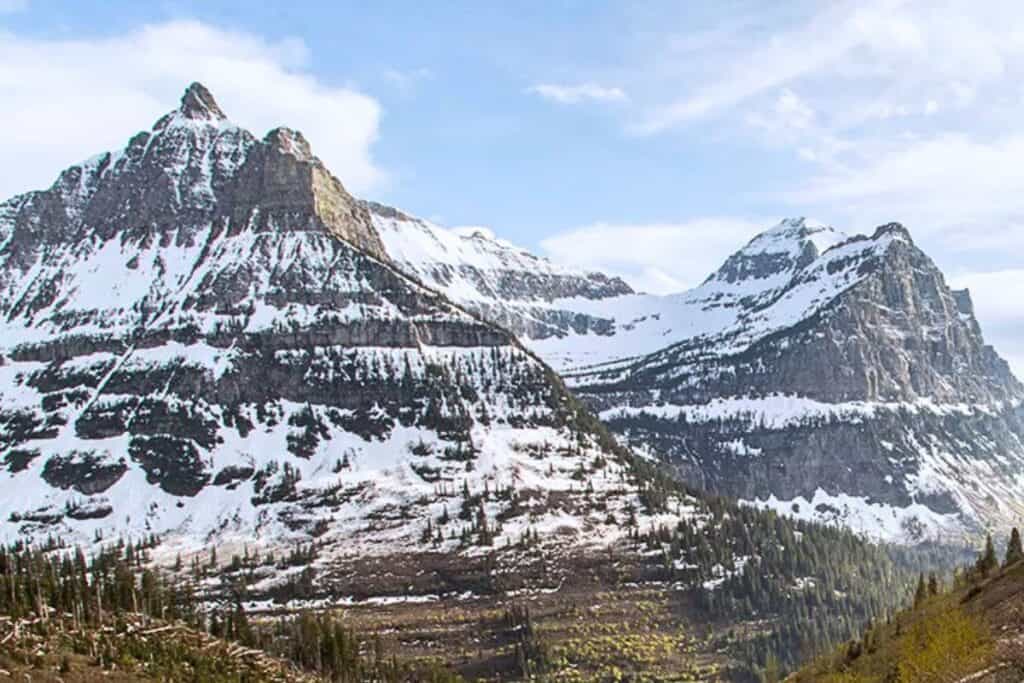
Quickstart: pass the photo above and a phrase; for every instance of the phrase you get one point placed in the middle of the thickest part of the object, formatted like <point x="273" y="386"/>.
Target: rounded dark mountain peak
<point x="198" y="103"/>
<point x="897" y="229"/>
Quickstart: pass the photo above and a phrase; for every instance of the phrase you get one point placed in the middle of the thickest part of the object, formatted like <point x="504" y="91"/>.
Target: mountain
<point x="284" y="396"/>
<point x="202" y="337"/>
<point x="847" y="384"/>
<point x="829" y="377"/>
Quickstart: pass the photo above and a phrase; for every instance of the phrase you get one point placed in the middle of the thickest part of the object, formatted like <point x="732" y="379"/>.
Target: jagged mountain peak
<point x="192" y="170"/>
<point x="197" y="110"/>
<point x="896" y="230"/>
<point x="198" y="103"/>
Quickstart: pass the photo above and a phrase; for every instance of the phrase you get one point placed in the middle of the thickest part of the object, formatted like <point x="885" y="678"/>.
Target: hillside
<point x="970" y="631"/>
<point x="66" y="618"/>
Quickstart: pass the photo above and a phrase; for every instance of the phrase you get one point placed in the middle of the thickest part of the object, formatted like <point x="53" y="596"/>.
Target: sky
<point x="647" y="139"/>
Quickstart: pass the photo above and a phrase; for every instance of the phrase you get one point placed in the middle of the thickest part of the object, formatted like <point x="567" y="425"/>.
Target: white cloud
<point x="658" y="257"/>
<point x="766" y="66"/>
<point x="65" y="100"/>
<point x="574" y="94"/>
<point x="997" y="305"/>
<point x="12" y="6"/>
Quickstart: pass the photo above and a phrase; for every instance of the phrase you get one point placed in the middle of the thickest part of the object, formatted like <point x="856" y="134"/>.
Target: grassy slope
<point x="973" y="634"/>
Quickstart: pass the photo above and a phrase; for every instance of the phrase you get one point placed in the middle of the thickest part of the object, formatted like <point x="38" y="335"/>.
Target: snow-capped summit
<point x="791" y="235"/>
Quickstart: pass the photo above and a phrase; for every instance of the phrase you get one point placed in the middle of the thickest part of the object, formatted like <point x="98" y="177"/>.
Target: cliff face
<point x="201" y="336"/>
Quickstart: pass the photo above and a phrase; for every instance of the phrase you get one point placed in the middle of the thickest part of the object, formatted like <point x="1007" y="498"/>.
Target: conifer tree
<point x="987" y="562"/>
<point x="1014" y="551"/>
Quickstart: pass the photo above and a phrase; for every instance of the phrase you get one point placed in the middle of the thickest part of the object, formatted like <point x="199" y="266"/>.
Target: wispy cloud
<point x="574" y="94"/>
<point x="259" y="83"/>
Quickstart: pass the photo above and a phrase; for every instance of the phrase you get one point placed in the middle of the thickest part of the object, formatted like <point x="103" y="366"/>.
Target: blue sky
<point x="649" y="139"/>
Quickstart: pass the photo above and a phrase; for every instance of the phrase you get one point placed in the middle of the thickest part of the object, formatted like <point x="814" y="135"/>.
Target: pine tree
<point x="987" y="562"/>
<point x="1014" y="551"/>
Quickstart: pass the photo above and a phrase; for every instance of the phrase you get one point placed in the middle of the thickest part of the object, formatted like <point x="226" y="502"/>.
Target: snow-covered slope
<point x="742" y="297"/>
<point x="833" y="377"/>
<point x="496" y="279"/>
<point x="202" y="337"/>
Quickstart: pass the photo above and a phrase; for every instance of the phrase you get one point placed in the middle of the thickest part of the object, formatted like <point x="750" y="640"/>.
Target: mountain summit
<point x="198" y="103"/>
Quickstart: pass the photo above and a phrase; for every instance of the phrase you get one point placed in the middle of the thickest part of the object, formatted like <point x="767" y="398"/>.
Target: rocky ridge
<point x="494" y="278"/>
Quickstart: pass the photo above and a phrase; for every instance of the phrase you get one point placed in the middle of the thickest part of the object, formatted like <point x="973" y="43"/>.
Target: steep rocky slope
<point x="832" y="377"/>
<point x="202" y="337"/>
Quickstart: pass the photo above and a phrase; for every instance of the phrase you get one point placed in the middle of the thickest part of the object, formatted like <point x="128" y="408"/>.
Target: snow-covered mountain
<point x="848" y="384"/>
<point x="831" y="377"/>
<point x="203" y="337"/>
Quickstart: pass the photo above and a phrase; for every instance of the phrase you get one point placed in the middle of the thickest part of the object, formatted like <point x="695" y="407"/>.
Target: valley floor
<point x="590" y="617"/>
